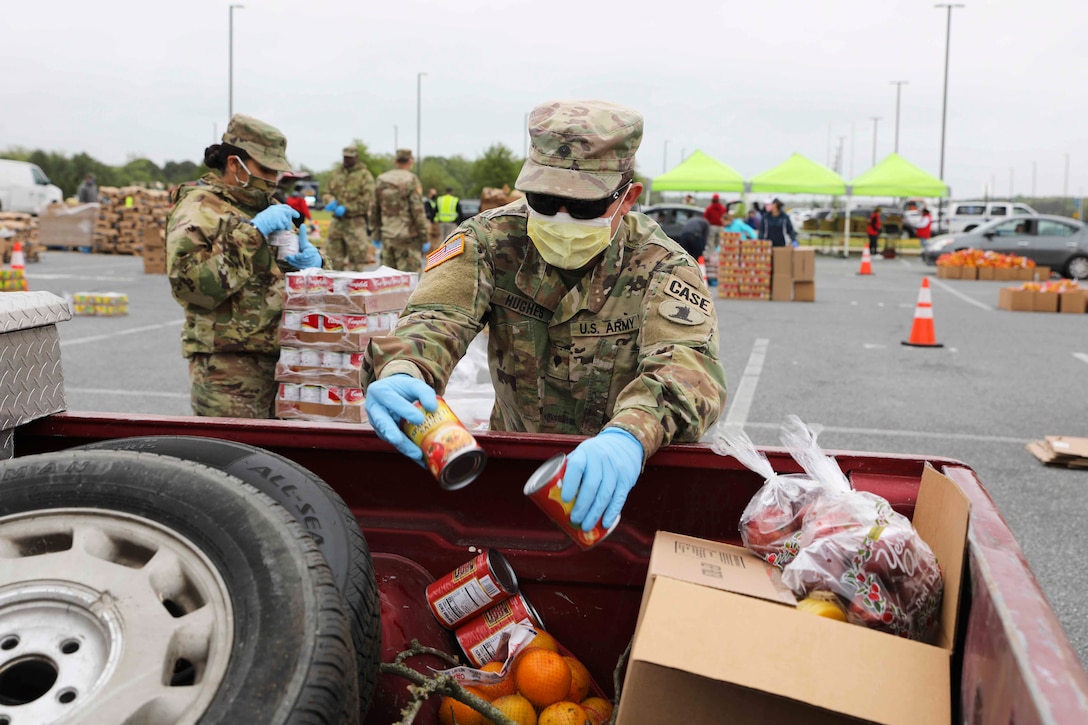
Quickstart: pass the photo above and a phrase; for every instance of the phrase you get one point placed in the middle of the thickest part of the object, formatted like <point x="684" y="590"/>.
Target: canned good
<point x="450" y="452"/>
<point x="285" y="242"/>
<point x="311" y="394"/>
<point x="290" y="356"/>
<point x="544" y="488"/>
<point x="472" y="587"/>
<point x="332" y="360"/>
<point x="310" y="358"/>
<point x="290" y="392"/>
<point x="292" y="320"/>
<point x="479" y="637"/>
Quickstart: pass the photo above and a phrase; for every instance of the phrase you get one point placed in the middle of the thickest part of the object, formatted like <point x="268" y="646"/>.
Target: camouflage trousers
<point x="233" y="385"/>
<point x="348" y="245"/>
<point x="403" y="254"/>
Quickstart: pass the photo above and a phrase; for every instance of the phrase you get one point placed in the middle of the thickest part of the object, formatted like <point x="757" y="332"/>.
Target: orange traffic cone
<point x="18" y="259"/>
<point x="922" y="333"/>
<point x="866" y="262"/>
<point x="702" y="269"/>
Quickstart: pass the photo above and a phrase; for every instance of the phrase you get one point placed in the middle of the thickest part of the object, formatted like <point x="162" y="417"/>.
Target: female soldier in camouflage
<point x="225" y="275"/>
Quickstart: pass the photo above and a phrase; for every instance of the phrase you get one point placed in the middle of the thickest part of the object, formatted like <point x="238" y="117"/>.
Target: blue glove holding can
<point x="391" y="400"/>
<point x="276" y="218"/>
<point x="601" y="471"/>
<point x="307" y="256"/>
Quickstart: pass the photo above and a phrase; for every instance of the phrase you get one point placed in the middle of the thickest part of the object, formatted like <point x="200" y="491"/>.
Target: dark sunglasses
<point x="549" y="205"/>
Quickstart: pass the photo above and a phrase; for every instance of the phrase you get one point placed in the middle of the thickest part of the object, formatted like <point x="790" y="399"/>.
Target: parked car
<point x="963" y="216"/>
<point x="25" y="187"/>
<point x="469" y="209"/>
<point x="1057" y="242"/>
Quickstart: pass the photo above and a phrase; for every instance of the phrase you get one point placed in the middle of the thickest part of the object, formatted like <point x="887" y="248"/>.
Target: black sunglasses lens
<point x="580" y="209"/>
<point x="548" y="205"/>
<point x="545" y="204"/>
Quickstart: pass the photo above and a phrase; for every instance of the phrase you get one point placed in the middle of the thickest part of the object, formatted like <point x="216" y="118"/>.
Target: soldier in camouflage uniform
<point x="398" y="216"/>
<point x="600" y="325"/>
<point x="226" y="276"/>
<point x="352" y="186"/>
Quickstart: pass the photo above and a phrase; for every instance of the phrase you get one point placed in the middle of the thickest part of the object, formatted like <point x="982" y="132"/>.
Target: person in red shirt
<point x="297" y="201"/>
<point x="925" y="227"/>
<point x="874" y="229"/>
<point x="713" y="215"/>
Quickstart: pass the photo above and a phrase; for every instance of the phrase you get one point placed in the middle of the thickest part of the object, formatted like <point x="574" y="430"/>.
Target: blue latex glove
<point x="426" y="247"/>
<point x="339" y="212"/>
<point x="307" y="255"/>
<point x="601" y="471"/>
<point x="276" y="218"/>
<point x="795" y="244"/>
<point x="331" y="206"/>
<point x="392" y="399"/>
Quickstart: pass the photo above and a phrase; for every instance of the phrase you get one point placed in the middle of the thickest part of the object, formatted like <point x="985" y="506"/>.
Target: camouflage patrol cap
<point x="264" y="143"/>
<point x="580" y="149"/>
<point x="405" y="154"/>
<point x="351" y="152"/>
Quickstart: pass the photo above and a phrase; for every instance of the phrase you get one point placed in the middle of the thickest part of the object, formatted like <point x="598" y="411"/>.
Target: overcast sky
<point x="746" y="82"/>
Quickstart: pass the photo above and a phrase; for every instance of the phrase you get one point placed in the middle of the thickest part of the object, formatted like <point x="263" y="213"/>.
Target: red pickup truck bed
<point x="1014" y="662"/>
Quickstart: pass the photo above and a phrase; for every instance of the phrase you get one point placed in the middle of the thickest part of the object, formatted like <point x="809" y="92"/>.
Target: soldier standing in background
<point x="397" y="216"/>
<point x="225" y="275"/>
<point x="600" y="325"/>
<point x="352" y="185"/>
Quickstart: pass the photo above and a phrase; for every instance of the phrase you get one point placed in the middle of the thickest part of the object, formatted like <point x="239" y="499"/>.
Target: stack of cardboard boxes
<point x="1046" y="297"/>
<point x="743" y="268"/>
<point x="154" y="248"/>
<point x="793" y="274"/>
<point x="124" y="215"/>
<point x="18" y="227"/>
<point x="328" y="319"/>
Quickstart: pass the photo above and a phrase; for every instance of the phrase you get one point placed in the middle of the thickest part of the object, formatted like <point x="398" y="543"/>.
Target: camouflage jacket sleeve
<point x="358" y="192"/>
<point x="680" y="389"/>
<point x="210" y="249"/>
<point x="419" y="214"/>
<point x="443" y="316"/>
<point x="374" y="215"/>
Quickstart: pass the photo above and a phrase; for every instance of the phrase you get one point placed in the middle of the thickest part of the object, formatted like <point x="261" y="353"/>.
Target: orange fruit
<point x="598" y="710"/>
<point x="542" y="676"/>
<point x="499" y="689"/>
<point x="451" y="711"/>
<point x="517" y="708"/>
<point x="562" y="713"/>
<point x="544" y="640"/>
<point x="579" y="680"/>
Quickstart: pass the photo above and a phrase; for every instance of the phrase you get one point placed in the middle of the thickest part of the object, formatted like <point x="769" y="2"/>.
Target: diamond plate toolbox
<point x="31" y="379"/>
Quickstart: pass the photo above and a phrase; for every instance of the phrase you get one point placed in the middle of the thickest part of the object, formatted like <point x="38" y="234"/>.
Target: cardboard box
<point x="1015" y="299"/>
<point x="968" y="272"/>
<point x="948" y="272"/>
<point x="782" y="263"/>
<point x="804" y="291"/>
<point x="1005" y="274"/>
<point x="715" y="636"/>
<point x="1073" y="301"/>
<point x="986" y="273"/>
<point x="804" y="264"/>
<point x="1039" y="274"/>
<point x="782" y="288"/>
<point x="1045" y="301"/>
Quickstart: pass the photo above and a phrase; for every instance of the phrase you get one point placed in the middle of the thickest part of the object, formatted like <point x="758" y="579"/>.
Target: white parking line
<point x="906" y="433"/>
<point x="119" y="333"/>
<point x="962" y="296"/>
<point x="1082" y="356"/>
<point x="129" y="393"/>
<point x="746" y="390"/>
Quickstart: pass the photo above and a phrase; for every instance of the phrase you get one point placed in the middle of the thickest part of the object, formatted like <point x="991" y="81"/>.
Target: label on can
<point x="292" y="320"/>
<point x="289" y="391"/>
<point x="474" y="586"/>
<point x="311" y="394"/>
<point x="545" y="489"/>
<point x="481" y="636"/>
<point x="332" y="360"/>
<point x="452" y="455"/>
<point x="310" y="358"/>
<point x="290" y="356"/>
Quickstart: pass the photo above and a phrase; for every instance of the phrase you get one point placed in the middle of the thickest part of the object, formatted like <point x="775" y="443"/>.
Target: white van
<point x="24" y="187"/>
<point x="963" y="216"/>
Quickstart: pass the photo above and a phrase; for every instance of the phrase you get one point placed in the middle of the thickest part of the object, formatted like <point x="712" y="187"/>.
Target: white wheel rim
<point x="110" y="618"/>
<point x="1079" y="268"/>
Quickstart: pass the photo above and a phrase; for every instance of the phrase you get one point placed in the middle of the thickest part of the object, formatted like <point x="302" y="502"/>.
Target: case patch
<point x="681" y="290"/>
<point x="677" y="311"/>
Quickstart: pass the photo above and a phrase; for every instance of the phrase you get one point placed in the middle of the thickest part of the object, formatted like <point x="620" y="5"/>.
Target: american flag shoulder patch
<point x="447" y="251"/>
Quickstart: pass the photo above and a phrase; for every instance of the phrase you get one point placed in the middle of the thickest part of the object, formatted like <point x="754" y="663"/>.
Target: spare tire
<point x="142" y="588"/>
<point x="316" y="506"/>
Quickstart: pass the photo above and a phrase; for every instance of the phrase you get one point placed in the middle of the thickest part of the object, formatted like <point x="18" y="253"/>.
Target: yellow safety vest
<point x="447" y="208"/>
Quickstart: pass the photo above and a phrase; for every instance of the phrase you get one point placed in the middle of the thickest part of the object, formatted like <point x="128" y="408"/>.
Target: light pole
<point x="419" y="120"/>
<point x="230" y="61"/>
<point x="898" y="89"/>
<point x="944" y="101"/>
<point x="876" y="120"/>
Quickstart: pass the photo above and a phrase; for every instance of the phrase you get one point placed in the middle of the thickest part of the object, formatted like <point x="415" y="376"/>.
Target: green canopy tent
<point x="799" y="175"/>
<point x="699" y="172"/>
<point x="895" y="176"/>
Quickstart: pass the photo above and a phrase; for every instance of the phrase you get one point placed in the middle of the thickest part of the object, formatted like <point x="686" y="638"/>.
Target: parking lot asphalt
<point x="1000" y="380"/>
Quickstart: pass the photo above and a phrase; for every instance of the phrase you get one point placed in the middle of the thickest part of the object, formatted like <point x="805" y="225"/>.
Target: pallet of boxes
<point x="744" y="268"/>
<point x="328" y="319"/>
<point x="793" y="274"/>
<point x="16" y="226"/>
<point x="125" y="216"/>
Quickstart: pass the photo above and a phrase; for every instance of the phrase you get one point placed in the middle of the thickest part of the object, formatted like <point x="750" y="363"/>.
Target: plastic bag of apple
<point x="845" y="554"/>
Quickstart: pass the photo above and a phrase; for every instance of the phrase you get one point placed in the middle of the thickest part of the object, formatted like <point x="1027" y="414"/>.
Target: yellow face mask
<point x="566" y="242"/>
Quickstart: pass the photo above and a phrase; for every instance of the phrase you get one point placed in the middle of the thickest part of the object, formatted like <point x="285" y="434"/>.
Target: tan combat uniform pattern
<point x="227" y="279"/>
<point x="348" y="245"/>
<point x="399" y="219"/>
<point x="633" y="344"/>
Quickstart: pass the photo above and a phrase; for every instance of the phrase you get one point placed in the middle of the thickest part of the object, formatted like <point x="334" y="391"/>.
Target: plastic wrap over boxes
<point x="328" y="319"/>
<point x="744" y="268"/>
<point x="102" y="304"/>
